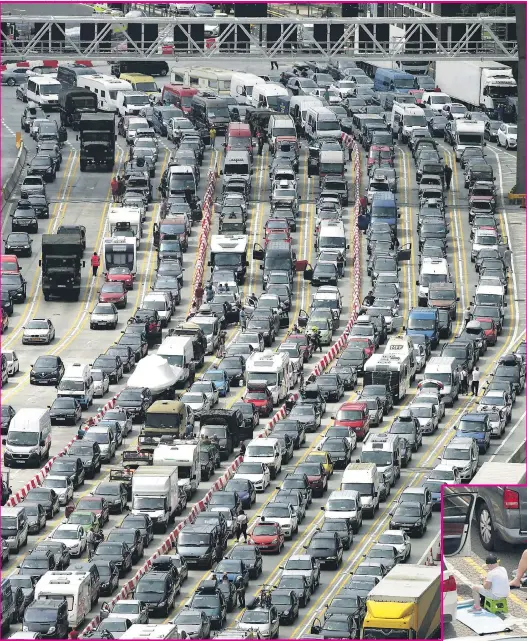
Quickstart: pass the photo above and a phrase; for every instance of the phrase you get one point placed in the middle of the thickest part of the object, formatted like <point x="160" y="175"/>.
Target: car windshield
<point x="62" y="534"/>
<point x="408" y="510"/>
<point x="249" y="468"/>
<point x="380" y="458"/>
<point x="456" y="454"/>
<point x="422" y="412"/>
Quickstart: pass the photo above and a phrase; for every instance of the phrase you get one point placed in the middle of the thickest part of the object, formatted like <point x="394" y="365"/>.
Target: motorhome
<point x="106" y="89"/>
<point x="77" y="382"/>
<point x="186" y="455"/>
<point x="72" y="586"/>
<point x="203" y="78"/>
<point x="273" y="368"/>
<point x="406" y="118"/>
<point x="392" y="370"/>
<point x="467" y="133"/>
<point x="120" y="251"/>
<point x="127" y="219"/>
<point x="178" y="351"/>
<point x="385" y="451"/>
<point x="403" y="347"/>
<point x="230" y="252"/>
<point x="363" y="477"/>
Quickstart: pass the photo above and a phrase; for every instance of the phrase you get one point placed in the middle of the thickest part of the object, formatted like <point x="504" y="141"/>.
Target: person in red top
<point x="95" y="262"/>
<point x="199" y="294"/>
<point x="73" y="634"/>
<point x="115" y="189"/>
<point x="363" y="205"/>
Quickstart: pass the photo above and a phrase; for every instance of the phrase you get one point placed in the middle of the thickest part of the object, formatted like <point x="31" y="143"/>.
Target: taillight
<point x="511" y="499"/>
<point x="449" y="585"/>
<point x="162" y="235"/>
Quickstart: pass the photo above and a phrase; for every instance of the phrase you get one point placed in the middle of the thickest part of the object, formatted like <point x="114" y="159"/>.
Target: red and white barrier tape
<point x="167" y="544"/>
<point x="204" y="234"/>
<point x="31" y="64"/>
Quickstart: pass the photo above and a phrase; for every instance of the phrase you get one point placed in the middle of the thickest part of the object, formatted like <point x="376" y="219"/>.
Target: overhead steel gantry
<point x="272" y="38"/>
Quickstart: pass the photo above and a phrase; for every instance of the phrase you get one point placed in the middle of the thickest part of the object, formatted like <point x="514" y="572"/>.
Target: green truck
<point x="61" y="266"/>
<point x="97" y="140"/>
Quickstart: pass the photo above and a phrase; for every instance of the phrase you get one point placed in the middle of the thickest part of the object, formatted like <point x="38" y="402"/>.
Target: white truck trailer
<point x="155" y="492"/>
<point x="481" y="84"/>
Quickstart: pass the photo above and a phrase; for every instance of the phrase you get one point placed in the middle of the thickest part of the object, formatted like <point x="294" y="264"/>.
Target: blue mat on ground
<point x="481" y="622"/>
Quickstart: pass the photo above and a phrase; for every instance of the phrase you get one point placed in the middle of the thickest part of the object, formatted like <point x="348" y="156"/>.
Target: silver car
<point x="15" y="76"/>
<point x="101" y="382"/>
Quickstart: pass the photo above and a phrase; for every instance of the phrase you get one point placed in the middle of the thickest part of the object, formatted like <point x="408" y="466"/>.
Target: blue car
<point x="220" y="378"/>
<point x="233" y="568"/>
<point x="475" y="425"/>
<point x="246" y="491"/>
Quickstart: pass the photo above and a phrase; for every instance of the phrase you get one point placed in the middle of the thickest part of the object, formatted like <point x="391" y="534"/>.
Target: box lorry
<point x="405" y="604"/>
<point x="61" y="266"/>
<point x="481" y="84"/>
<point x="155" y="492"/>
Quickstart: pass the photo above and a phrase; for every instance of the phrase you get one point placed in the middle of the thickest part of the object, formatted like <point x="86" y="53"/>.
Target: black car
<point x="46" y="370"/>
<point x="51" y="149"/>
<point x="7" y="302"/>
<point x="70" y="467"/>
<point x="293" y="428"/>
<point x="245" y="489"/>
<point x="136" y="401"/>
<point x="251" y="418"/>
<point x="65" y="410"/>
<point x="18" y="243"/>
<point x="60" y="552"/>
<point x="149" y="318"/>
<point x="347" y="373"/>
<point x="343" y="527"/>
<point x="47" y="498"/>
<point x="8" y="411"/>
<point x="136" y="340"/>
<point x="331" y="386"/>
<point x="250" y="555"/>
<point x="209" y="598"/>
<point x="234" y="366"/>
<point x="132" y="537"/>
<point x="118" y="552"/>
<point x="143" y="523"/>
<point x="299" y="584"/>
<point x="23" y="589"/>
<point x="24" y="218"/>
<point x="115" y="494"/>
<point x="410" y="517"/>
<point x="125" y="353"/>
<point x="36" y="564"/>
<point x="385" y="554"/>
<point x="36" y="517"/>
<point x="15" y="285"/>
<point x="380" y="391"/>
<point x="336" y="625"/>
<point x="111" y="365"/>
<point x="491" y="130"/>
<point x="108" y="575"/>
<point x="43" y="165"/>
<point x="169" y="563"/>
<point x="298" y="481"/>
<point x="327" y="548"/>
<point x="437" y="126"/>
<point x="353" y="357"/>
<point x="28" y="115"/>
<point x="46" y="614"/>
<point x="89" y="453"/>
<point x="287" y="604"/>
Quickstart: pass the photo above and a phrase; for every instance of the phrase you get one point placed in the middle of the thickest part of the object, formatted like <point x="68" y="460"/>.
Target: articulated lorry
<point x="61" y="266"/>
<point x="405" y="604"/>
<point x="97" y="140"/>
<point x="155" y="492"/>
<point x="480" y="84"/>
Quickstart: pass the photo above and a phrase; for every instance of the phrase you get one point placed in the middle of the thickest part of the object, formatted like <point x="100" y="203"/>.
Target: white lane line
<point x="4" y="124"/>
<point x="511" y="432"/>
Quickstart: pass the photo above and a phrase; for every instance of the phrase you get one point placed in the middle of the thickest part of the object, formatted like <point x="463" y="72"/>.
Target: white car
<point x="38" y="331"/>
<point x="420" y="357"/>
<point x="197" y="401"/>
<point x="495" y="398"/>
<point x="343" y="87"/>
<point x="62" y="485"/>
<point x="508" y="136"/>
<point x="428" y="396"/>
<point x="257" y="473"/>
<point x="283" y="514"/>
<point x="13" y="364"/>
<point x="104" y="315"/>
<point x="264" y="620"/>
<point x="183" y="124"/>
<point x="426" y="414"/>
<point x="132" y="609"/>
<point x="101" y="382"/>
<point x="209" y="389"/>
<point x="73" y="537"/>
<point x="400" y="541"/>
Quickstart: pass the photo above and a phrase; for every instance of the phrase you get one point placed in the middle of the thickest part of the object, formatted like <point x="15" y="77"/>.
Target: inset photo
<point x="484" y="561"/>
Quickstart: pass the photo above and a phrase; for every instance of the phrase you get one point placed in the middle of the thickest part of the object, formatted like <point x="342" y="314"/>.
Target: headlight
<point x="52" y="629"/>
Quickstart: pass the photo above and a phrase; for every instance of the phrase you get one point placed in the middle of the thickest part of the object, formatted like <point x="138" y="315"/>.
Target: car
<point x="287" y="605"/>
<point x="300" y="585"/>
<point x="250" y="555"/>
<point x="36" y="517"/>
<point x="132" y="609"/>
<point x="47" y="497"/>
<point x="327" y="547"/>
<point x="410" y="517"/>
<point x="132" y="537"/>
<point x="118" y="552"/>
<point x="36" y="564"/>
<point x="258" y="473"/>
<point x="338" y="449"/>
<point x="112" y="365"/>
<point x="303" y="565"/>
<point x="111" y="628"/>
<point x="115" y="495"/>
<point x="65" y="409"/>
<point x="101" y="382"/>
<point x="141" y="522"/>
<point x="38" y="331"/>
<point x="209" y="597"/>
<point x="96" y="504"/>
<point x="47" y="370"/>
<point x="268" y="536"/>
<point x="73" y="537"/>
<point x="104" y="315"/>
<point x="88" y="520"/>
<point x="266" y="621"/>
<point x="194" y="622"/>
<point x="8" y="411"/>
<point x="220" y="378"/>
<point x="400" y="541"/>
<point x="259" y="397"/>
<point x="316" y="476"/>
<point x="18" y="243"/>
<point x="507" y="136"/>
<point x="43" y="165"/>
<point x="120" y="275"/>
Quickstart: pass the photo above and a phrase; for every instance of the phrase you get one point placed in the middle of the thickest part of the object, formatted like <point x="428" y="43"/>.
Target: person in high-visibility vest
<point x="95" y="262"/>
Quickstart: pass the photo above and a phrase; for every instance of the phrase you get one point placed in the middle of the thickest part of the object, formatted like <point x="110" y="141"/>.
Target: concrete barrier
<point x="10" y="184"/>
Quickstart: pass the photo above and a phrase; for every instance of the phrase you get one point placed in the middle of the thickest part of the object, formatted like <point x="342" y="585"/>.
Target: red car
<point x="276" y="223"/>
<point x="96" y="504"/>
<point x="489" y="329"/>
<point x="276" y="234"/>
<point x="366" y="343"/>
<point x="316" y="477"/>
<point x="305" y="346"/>
<point x="9" y="264"/>
<point x="260" y="397"/>
<point x="113" y="292"/>
<point x="418" y="93"/>
<point x="381" y="155"/>
<point x="120" y="275"/>
<point x="267" y="536"/>
<point x="356" y="416"/>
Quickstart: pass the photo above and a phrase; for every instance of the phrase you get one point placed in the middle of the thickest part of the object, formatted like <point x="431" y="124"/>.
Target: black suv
<point x="43" y="165"/>
<point x="24" y="218"/>
<point x="158" y="591"/>
<point x="46" y="370"/>
<point x="200" y="545"/>
<point x="46" y="614"/>
<point x="135" y="401"/>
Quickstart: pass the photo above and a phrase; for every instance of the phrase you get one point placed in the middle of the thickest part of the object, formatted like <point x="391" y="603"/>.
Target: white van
<point x="15" y="527"/>
<point x="332" y="235"/>
<point x="152" y="631"/>
<point x="78" y="382"/>
<point x="267" y="451"/>
<point x="29" y="438"/>
<point x="242" y="86"/>
<point x="131" y="103"/>
<point x="321" y="121"/>
<point x="280" y="125"/>
<point x="445" y="370"/>
<point x="299" y="105"/>
<point x="406" y="118"/>
<point x="44" y="91"/>
<point x="267" y="95"/>
<point x="432" y="270"/>
<point x="178" y="351"/>
<point x="72" y="586"/>
<point x="162" y="303"/>
<point x="106" y="88"/>
<point x="363" y="477"/>
<point x="436" y="100"/>
<point x="385" y="451"/>
<point x="345" y="504"/>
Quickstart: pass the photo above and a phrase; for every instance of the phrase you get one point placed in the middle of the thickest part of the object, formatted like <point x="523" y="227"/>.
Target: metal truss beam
<point x="358" y="41"/>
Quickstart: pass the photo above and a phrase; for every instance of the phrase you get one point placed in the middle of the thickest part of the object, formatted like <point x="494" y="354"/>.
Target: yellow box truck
<point x="405" y="604"/>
